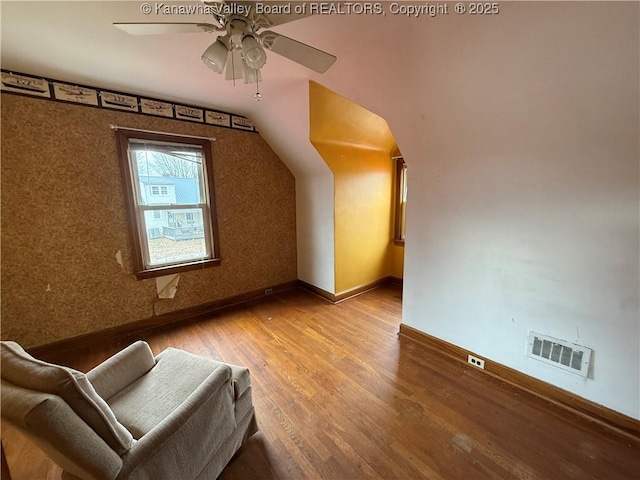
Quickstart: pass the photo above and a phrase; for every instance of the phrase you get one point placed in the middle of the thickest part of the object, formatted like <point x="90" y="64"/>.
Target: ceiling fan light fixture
<point x="253" y="53"/>
<point x="215" y="57"/>
<point x="239" y="51"/>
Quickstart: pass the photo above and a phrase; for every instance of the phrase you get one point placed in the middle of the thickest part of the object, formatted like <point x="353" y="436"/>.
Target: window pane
<point x="401" y="199"/>
<point x="169" y="192"/>
<point x="403" y="202"/>
<point x="168" y="176"/>
<point x="178" y="235"/>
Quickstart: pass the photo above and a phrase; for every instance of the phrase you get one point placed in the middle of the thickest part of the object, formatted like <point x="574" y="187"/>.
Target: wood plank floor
<point x="339" y="395"/>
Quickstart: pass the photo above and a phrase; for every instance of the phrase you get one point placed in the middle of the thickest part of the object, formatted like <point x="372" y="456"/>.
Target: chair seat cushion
<point x="149" y="400"/>
<point x="22" y="370"/>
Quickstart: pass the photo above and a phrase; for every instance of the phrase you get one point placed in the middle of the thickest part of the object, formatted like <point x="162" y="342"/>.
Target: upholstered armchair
<point x="176" y="416"/>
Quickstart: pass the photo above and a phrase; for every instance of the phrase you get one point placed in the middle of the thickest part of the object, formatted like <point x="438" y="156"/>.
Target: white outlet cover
<point x="475" y="361"/>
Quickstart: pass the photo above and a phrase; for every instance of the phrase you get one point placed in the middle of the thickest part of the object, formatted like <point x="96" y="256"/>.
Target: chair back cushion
<point x="51" y="423"/>
<point x="21" y="369"/>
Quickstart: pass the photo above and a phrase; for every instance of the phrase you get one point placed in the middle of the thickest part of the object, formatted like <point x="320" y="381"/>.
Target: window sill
<point x="171" y="269"/>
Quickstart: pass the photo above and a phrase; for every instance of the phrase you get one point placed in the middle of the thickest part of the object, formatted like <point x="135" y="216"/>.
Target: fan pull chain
<point x="257" y="96"/>
<point x="233" y="69"/>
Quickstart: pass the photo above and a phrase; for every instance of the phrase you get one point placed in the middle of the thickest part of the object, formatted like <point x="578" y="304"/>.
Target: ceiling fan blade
<point x="278" y="12"/>
<point x="165" y="28"/>
<point x="299" y="52"/>
<point x="282" y="18"/>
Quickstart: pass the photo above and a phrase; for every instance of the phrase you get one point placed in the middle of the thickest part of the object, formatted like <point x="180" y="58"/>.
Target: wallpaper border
<point x="90" y="96"/>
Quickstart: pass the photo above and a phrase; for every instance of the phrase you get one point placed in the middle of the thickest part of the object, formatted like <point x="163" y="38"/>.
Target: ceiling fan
<point x="242" y="38"/>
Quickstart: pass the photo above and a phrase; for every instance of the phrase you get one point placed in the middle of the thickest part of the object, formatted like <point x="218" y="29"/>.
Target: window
<point x="170" y="200"/>
<point x="157" y="190"/>
<point x="401" y="201"/>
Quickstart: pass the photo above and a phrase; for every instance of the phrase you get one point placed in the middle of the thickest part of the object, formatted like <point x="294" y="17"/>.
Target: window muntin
<point x="159" y="190"/>
<point x="170" y="200"/>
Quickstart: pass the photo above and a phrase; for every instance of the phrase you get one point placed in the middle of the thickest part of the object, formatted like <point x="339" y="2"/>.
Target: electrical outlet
<point x="268" y="291"/>
<point x="475" y="361"/>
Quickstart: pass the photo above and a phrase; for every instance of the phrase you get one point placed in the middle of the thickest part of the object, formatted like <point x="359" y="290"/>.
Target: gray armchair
<point x="175" y="416"/>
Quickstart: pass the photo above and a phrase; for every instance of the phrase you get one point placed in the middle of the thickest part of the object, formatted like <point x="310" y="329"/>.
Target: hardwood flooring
<point x="339" y="395"/>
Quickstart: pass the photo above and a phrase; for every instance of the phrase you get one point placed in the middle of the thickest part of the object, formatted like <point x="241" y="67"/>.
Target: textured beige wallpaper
<point x="64" y="219"/>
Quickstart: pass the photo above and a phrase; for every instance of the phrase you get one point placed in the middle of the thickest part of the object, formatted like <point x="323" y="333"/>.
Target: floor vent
<point x="565" y="355"/>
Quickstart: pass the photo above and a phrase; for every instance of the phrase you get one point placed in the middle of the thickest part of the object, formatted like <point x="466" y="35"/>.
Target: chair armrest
<point x="205" y="416"/>
<point x="122" y="369"/>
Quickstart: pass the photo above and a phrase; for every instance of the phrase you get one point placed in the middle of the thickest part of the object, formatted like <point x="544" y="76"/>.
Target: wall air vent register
<point x="559" y="353"/>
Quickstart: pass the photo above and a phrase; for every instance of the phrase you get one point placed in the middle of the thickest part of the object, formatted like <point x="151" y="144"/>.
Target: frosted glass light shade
<point x="254" y="54"/>
<point x="251" y="75"/>
<point x="215" y="57"/>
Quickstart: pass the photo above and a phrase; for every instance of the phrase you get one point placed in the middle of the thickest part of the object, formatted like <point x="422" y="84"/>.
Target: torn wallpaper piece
<point x="167" y="285"/>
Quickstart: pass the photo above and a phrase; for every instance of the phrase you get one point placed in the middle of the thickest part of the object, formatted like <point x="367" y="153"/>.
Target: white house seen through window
<point x="170" y="201"/>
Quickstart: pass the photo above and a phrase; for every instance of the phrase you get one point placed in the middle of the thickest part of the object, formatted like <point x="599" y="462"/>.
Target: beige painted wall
<point x="64" y="219"/>
<point x="523" y="151"/>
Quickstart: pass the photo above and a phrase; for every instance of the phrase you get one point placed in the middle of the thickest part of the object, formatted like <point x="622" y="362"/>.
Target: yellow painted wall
<point x="396" y="261"/>
<point x="362" y="211"/>
<point x="356" y="144"/>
